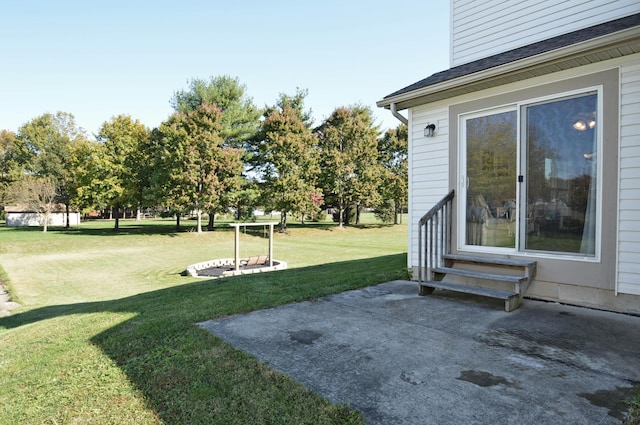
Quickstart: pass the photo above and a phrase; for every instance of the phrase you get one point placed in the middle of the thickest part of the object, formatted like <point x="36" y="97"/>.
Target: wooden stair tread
<point x="476" y="290"/>
<point x="480" y="275"/>
<point x="489" y="260"/>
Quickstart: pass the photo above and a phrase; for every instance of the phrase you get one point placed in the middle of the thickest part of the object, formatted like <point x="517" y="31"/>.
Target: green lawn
<point x="107" y="333"/>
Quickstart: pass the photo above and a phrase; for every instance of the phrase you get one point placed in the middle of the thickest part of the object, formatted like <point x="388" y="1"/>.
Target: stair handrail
<point x="436" y="225"/>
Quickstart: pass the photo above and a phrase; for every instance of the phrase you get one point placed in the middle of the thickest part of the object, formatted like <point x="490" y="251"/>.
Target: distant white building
<point x="17" y="216"/>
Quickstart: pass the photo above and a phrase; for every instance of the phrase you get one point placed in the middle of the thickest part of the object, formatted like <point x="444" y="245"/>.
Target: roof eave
<point x="554" y="60"/>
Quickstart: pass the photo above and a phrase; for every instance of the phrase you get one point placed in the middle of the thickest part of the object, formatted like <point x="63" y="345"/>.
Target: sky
<point x="97" y="60"/>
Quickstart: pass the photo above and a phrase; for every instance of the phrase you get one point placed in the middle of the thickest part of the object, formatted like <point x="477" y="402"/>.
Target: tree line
<point x="216" y="153"/>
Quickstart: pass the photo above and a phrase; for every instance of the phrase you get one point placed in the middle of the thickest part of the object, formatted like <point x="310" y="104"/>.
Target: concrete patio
<point x="450" y="358"/>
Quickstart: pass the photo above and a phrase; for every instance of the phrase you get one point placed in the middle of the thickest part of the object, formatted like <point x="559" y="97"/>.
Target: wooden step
<point x="480" y="275"/>
<point x="476" y="290"/>
<point x="511" y="299"/>
<point x="473" y="259"/>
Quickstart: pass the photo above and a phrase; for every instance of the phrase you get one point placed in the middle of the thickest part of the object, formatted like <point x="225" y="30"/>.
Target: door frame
<point x="521" y="152"/>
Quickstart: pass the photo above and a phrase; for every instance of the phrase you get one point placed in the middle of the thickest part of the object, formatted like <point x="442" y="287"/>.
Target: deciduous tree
<point x="44" y="147"/>
<point x="120" y="164"/>
<point x="348" y="150"/>
<point x="194" y="168"/>
<point x="36" y="194"/>
<point x="238" y="124"/>
<point x="10" y="166"/>
<point x="393" y="158"/>
<point x="289" y="164"/>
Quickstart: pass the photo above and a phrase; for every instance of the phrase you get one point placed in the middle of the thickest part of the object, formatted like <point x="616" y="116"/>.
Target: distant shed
<point x="17" y="216"/>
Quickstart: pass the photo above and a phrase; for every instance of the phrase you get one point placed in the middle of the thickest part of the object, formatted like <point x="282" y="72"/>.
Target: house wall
<point x="429" y="182"/>
<point x="17" y="219"/>
<point x="428" y="166"/>
<point x="481" y="28"/>
<point x="629" y="186"/>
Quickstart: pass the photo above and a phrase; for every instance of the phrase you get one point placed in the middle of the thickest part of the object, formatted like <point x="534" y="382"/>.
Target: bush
<point x="319" y="217"/>
<point x="634" y="411"/>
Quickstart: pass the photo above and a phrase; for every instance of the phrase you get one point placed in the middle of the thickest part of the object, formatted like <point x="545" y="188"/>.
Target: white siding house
<point x="537" y="133"/>
<point x="480" y="29"/>
<point x="629" y="210"/>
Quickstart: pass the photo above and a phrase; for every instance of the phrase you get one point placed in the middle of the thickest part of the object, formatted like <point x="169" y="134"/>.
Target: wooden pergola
<point x="237" y="240"/>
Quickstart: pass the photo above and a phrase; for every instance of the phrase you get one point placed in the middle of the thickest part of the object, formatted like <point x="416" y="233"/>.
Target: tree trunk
<point x="211" y="223"/>
<point x="199" y="220"/>
<point x="283" y="222"/>
<point x="357" y="214"/>
<point x="117" y="226"/>
<point x="395" y="212"/>
<point x="68" y="224"/>
<point x="177" y="222"/>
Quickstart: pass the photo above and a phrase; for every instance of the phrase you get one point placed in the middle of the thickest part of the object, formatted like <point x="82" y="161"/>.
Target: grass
<point x="634" y="410"/>
<point x="107" y="333"/>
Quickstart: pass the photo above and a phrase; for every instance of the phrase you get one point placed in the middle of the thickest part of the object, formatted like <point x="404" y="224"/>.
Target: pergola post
<point x="270" y="244"/>
<point x="237" y="241"/>
<point x="237" y="249"/>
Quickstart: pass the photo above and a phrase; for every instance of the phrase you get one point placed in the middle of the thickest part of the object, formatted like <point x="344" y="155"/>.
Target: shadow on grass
<point x="101" y="229"/>
<point x="168" y="228"/>
<point x="187" y="375"/>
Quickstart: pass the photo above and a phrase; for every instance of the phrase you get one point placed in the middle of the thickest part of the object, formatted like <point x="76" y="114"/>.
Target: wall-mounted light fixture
<point x="429" y="130"/>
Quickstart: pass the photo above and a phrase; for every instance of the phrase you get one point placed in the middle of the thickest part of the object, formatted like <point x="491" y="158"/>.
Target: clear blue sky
<point x="101" y="59"/>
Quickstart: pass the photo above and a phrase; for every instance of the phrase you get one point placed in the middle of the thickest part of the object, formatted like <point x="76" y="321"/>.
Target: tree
<point x="393" y="158"/>
<point x="348" y="149"/>
<point x="44" y="148"/>
<point x="88" y="161"/>
<point x="10" y="167"/>
<point x="295" y="102"/>
<point x="194" y="167"/>
<point x="239" y="122"/>
<point x="240" y="117"/>
<point x="289" y="164"/>
<point x="120" y="162"/>
<point x="35" y="193"/>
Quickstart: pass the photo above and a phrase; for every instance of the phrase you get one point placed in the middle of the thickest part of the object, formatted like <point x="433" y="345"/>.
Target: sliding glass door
<point x="490" y="181"/>
<point x="529" y="177"/>
<point x="561" y="175"/>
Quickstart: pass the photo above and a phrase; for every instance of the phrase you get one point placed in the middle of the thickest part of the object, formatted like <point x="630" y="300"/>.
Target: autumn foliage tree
<point x="193" y="166"/>
<point x="348" y="149"/>
<point x="289" y="164"/>
<point x="238" y="124"/>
